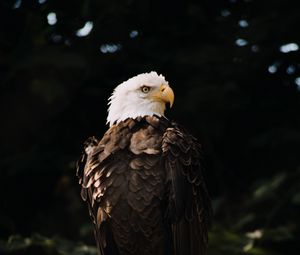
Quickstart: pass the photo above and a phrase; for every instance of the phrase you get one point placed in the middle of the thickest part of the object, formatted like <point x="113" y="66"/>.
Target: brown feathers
<point x="144" y="189"/>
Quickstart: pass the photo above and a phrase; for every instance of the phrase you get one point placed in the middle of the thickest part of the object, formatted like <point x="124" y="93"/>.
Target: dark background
<point x="236" y="90"/>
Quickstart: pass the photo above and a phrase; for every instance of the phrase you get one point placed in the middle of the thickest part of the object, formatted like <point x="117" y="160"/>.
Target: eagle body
<point x="144" y="189"/>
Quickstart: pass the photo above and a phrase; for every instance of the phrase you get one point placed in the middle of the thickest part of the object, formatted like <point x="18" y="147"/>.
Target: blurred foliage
<point x="267" y="223"/>
<point x="236" y="89"/>
<point x="38" y="244"/>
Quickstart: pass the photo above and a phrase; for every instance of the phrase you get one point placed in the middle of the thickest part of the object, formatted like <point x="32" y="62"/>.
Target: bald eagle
<point x="142" y="181"/>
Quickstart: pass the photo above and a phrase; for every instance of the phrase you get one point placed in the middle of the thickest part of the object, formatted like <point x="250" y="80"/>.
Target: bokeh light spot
<point x="85" y="30"/>
<point x="291" y="69"/>
<point x="243" y="23"/>
<point x="297" y="81"/>
<point x="17" y="4"/>
<point x="225" y="13"/>
<point x="274" y="67"/>
<point x="241" y="42"/>
<point x="286" y="48"/>
<point x="255" y="48"/>
<point x="110" y="48"/>
<point x="52" y="19"/>
<point x="133" y="34"/>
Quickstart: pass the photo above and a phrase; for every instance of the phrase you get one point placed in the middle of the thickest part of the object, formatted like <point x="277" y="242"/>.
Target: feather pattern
<point x="144" y="189"/>
<point x="189" y="204"/>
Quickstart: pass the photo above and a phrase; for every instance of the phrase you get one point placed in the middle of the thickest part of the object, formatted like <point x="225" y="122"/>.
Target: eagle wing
<point x="189" y="207"/>
<point x="123" y="187"/>
<point x="85" y="165"/>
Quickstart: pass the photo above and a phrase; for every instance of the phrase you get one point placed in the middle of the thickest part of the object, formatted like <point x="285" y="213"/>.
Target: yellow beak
<point x="165" y="94"/>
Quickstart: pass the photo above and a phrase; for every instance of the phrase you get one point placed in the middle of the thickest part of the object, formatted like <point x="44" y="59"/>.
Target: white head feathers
<point x="144" y="94"/>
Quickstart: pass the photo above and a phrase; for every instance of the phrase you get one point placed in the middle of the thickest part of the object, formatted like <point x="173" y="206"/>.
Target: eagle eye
<point x="145" y="89"/>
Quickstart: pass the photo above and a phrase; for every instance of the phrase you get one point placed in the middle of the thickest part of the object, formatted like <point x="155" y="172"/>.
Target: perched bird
<point x="142" y="181"/>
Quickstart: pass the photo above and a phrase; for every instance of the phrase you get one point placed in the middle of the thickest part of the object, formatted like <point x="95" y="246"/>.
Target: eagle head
<point x="141" y="95"/>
